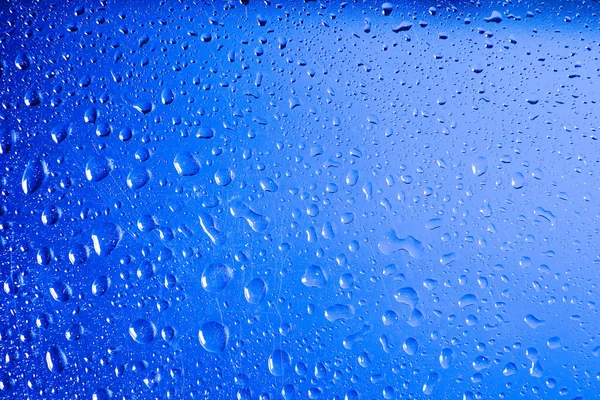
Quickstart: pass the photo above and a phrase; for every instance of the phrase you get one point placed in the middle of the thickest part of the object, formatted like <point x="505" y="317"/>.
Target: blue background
<point x="299" y="200"/>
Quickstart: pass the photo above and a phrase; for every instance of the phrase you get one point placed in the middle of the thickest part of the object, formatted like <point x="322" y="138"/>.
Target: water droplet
<point x="479" y="166"/>
<point x="314" y="277"/>
<point x="510" y="369"/>
<point x="517" y="180"/>
<point x="533" y="321"/>
<point x="106" y="237"/>
<point x="186" y="164"/>
<point x="257" y="222"/>
<point x="56" y="360"/>
<point x="223" y="177"/>
<point x="215" y="277"/>
<point x="467" y="300"/>
<point x="432" y="380"/>
<point x="167" y="96"/>
<point x="410" y="346"/>
<point x="339" y="312"/>
<point x="142" y="331"/>
<point x="100" y="285"/>
<point x="137" y="178"/>
<point x="387" y="8"/>
<point x="255" y="291"/>
<point x="33" y="177"/>
<point x="213" y="336"/>
<point x="279" y="363"/>
<point x="96" y="169"/>
<point x="208" y="226"/>
<point x="60" y="292"/>
<point x="408" y="296"/>
<point x="143" y="107"/>
<point x="392" y="244"/>
<point x="445" y="358"/>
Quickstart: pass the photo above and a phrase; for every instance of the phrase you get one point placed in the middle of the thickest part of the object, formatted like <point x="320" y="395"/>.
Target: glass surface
<point x="319" y="199"/>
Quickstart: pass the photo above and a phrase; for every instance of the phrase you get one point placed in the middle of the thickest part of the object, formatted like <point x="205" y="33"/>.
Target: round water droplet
<point x="22" y="61"/>
<point x="100" y="285"/>
<point x="518" y="180"/>
<point x="410" y="346"/>
<point x="105" y="238"/>
<point x="32" y="98"/>
<point x="78" y="254"/>
<point x="74" y="332"/>
<point x="137" y="178"/>
<point x="59" y="133"/>
<point x="215" y="277"/>
<point x="509" y="369"/>
<point x="103" y="129"/>
<point x="90" y="115"/>
<point x="347" y="218"/>
<point x="213" y="337"/>
<point x="223" y="177"/>
<point x="255" y="291"/>
<point x="142" y="331"/>
<point x="146" y="223"/>
<point x="96" y="169"/>
<point x="50" y="215"/>
<point x="479" y="166"/>
<point x="167" y="96"/>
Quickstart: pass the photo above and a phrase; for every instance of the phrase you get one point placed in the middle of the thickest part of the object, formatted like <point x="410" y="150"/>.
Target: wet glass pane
<point x="299" y="200"/>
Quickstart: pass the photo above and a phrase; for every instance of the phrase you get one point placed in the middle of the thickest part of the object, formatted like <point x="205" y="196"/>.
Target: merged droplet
<point x="186" y="164"/>
<point x="314" y="277"/>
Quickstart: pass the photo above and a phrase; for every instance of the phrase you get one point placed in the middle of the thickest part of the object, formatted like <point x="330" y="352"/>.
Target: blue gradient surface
<point x="299" y="200"/>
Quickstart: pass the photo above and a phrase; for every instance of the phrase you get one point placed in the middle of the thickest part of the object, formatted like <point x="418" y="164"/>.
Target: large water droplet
<point x="142" y="331"/>
<point x="33" y="177"/>
<point x="279" y="362"/>
<point x="215" y="277"/>
<point x="56" y="360"/>
<point x="213" y="337"/>
<point x="105" y="238"/>
<point x="255" y="291"/>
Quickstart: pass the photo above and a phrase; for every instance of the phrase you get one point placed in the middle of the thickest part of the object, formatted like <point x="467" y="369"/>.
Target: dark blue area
<point x="299" y="200"/>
